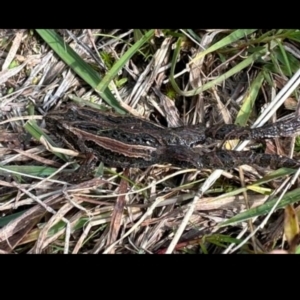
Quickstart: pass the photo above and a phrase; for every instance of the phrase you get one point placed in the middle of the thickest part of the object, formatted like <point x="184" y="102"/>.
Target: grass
<point x="173" y="77"/>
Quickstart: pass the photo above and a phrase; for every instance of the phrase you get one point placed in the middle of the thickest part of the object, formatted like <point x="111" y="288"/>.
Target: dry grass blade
<point x="6" y="74"/>
<point x="29" y="216"/>
<point x="136" y="225"/>
<point x="116" y="217"/>
<point x="78" y="64"/>
<point x="121" y="62"/>
<point x="170" y="110"/>
<point x="291" y="228"/>
<point x="146" y="79"/>
<point x="13" y="50"/>
<point x="42" y="241"/>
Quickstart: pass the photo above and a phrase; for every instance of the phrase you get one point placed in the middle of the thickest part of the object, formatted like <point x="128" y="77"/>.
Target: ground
<point x="172" y="78"/>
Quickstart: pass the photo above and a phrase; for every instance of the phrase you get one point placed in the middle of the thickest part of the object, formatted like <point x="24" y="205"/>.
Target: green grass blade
<point x="276" y="174"/>
<point x="32" y="128"/>
<point x="239" y="67"/>
<point x="231" y="38"/>
<point x="112" y="73"/>
<point x="249" y="100"/>
<point x="78" y="65"/>
<point x="6" y="219"/>
<point x="28" y="170"/>
<point x="285" y="59"/>
<point x="289" y="198"/>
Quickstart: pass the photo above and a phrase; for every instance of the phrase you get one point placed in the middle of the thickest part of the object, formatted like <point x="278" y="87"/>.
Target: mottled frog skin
<point x="127" y="141"/>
